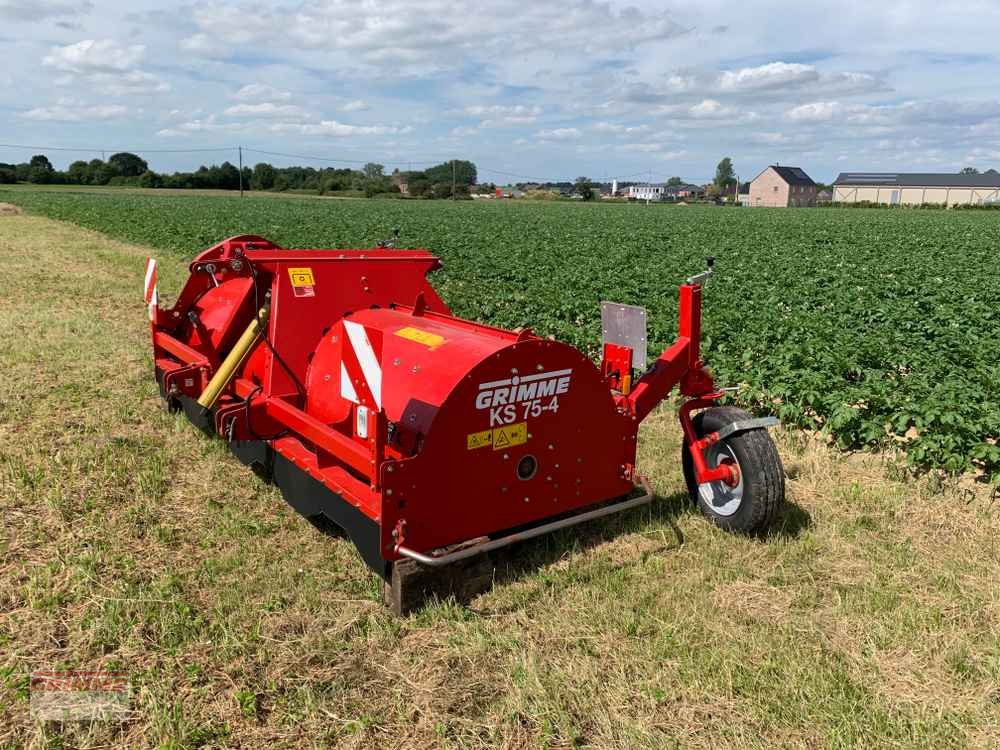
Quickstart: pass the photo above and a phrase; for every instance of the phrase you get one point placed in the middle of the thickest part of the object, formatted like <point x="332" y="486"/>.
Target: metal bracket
<point x="747" y="424"/>
<point x="436" y="561"/>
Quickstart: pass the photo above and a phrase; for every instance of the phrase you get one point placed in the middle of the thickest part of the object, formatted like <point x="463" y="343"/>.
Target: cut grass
<point x="871" y="616"/>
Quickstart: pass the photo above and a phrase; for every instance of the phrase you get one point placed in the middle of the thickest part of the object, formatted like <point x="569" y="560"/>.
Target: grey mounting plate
<point x="625" y="325"/>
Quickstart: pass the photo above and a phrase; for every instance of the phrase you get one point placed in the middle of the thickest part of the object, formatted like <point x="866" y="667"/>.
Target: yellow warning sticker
<point x="426" y="338"/>
<point x="512" y="434"/>
<point x="479" y="439"/>
<point x="499" y="437"/>
<point x="301" y="276"/>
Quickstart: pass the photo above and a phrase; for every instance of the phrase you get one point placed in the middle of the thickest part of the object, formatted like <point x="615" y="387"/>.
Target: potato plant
<point x="881" y="328"/>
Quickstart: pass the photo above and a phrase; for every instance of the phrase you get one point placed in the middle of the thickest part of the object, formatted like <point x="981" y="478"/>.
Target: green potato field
<point x="880" y="327"/>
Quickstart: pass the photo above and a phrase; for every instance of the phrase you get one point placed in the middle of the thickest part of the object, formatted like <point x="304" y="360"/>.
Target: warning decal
<point x="431" y="340"/>
<point x="303" y="283"/>
<point x="512" y="434"/>
<point x="479" y="439"/>
<point x="499" y="437"/>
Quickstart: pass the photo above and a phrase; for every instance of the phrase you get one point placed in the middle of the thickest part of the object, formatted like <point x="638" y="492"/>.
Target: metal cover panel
<point x="625" y="325"/>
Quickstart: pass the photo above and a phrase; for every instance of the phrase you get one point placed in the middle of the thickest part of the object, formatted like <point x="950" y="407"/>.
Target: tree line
<point x="455" y="178"/>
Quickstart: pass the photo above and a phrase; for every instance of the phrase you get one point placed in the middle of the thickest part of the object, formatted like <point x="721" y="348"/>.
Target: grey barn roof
<point x="990" y="179"/>
<point x="792" y="175"/>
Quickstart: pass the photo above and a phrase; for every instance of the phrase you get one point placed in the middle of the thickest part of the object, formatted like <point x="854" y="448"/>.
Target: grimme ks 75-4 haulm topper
<point x="344" y="378"/>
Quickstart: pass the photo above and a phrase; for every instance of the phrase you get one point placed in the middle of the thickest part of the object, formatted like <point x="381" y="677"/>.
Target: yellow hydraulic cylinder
<point x="232" y="362"/>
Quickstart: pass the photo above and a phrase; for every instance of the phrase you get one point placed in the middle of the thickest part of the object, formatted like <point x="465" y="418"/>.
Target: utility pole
<point x="240" y="149"/>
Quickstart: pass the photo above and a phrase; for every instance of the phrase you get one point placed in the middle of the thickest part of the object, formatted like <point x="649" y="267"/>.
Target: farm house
<point x="914" y="189"/>
<point x="782" y="187"/>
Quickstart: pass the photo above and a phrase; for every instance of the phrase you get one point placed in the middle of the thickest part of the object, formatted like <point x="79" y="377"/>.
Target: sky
<point x="527" y="89"/>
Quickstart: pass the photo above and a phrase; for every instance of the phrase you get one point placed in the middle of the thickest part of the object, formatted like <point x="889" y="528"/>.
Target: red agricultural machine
<point x="344" y="378"/>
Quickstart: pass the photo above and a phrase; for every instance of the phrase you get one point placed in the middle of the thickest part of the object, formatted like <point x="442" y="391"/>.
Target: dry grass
<point x="869" y="617"/>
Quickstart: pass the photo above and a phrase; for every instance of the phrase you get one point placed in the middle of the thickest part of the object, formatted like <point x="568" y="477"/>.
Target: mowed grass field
<point x="869" y="617"/>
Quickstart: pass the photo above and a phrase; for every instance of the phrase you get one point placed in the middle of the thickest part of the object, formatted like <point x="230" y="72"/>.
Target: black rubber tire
<point x="760" y="467"/>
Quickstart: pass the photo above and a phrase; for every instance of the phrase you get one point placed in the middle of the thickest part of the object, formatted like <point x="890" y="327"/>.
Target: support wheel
<point x="754" y="503"/>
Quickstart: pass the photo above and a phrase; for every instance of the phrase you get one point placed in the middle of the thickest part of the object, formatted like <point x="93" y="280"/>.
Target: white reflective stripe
<point x="152" y="305"/>
<point x="346" y="386"/>
<point x="150" y="286"/>
<point x="366" y="358"/>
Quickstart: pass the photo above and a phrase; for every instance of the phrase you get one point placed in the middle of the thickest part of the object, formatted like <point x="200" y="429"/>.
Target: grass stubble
<point x="869" y="617"/>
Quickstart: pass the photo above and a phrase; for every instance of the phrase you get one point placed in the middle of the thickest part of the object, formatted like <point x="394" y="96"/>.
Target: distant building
<point x="913" y="189"/>
<point x="684" y="192"/>
<point x="743" y="196"/>
<point x="649" y="192"/>
<point x="782" y="187"/>
<point x="663" y="192"/>
<point x="400" y="179"/>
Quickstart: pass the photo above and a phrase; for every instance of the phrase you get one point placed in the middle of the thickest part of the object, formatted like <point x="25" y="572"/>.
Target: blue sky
<point x="543" y="90"/>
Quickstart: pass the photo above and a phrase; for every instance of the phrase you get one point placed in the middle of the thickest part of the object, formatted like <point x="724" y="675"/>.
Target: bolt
<point x="388" y="492"/>
<point x="551" y="447"/>
<point x="396" y="361"/>
<point x="389" y="469"/>
<point x="527" y="499"/>
<point x="326" y="377"/>
<point x="506" y="456"/>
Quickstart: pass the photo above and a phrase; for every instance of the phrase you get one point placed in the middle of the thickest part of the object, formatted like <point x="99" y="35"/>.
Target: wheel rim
<point x="719" y="497"/>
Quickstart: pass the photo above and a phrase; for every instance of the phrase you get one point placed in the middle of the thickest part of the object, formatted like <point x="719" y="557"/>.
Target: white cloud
<point x="618" y="129"/>
<point x="265" y="109"/>
<point x="261" y="92"/>
<point x="499" y="115"/>
<point x="357" y="105"/>
<point x="400" y="37"/>
<point x="776" y="74"/>
<point x="337" y="129"/>
<point x="558" y="134"/>
<point x="94" y="55"/>
<point x="69" y="112"/>
<point x="464" y="131"/>
<point x="200" y="125"/>
<point x="41" y="10"/>
<point x="814" y="112"/>
<point x="105" y="66"/>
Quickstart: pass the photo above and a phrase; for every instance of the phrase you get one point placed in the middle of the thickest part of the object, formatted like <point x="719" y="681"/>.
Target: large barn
<point x="916" y="188"/>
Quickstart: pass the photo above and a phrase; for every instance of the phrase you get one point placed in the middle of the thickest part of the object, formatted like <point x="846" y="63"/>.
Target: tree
<point x="969" y="170"/>
<point x="128" y="165"/>
<point x="725" y="175"/>
<point x="78" y="173"/>
<point x="584" y="188"/>
<point x="458" y="171"/>
<point x="373" y="171"/>
<point x="150" y="179"/>
<point x="675" y="182"/>
<point x="263" y="177"/>
<point x="228" y="177"/>
<point x="40" y="169"/>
